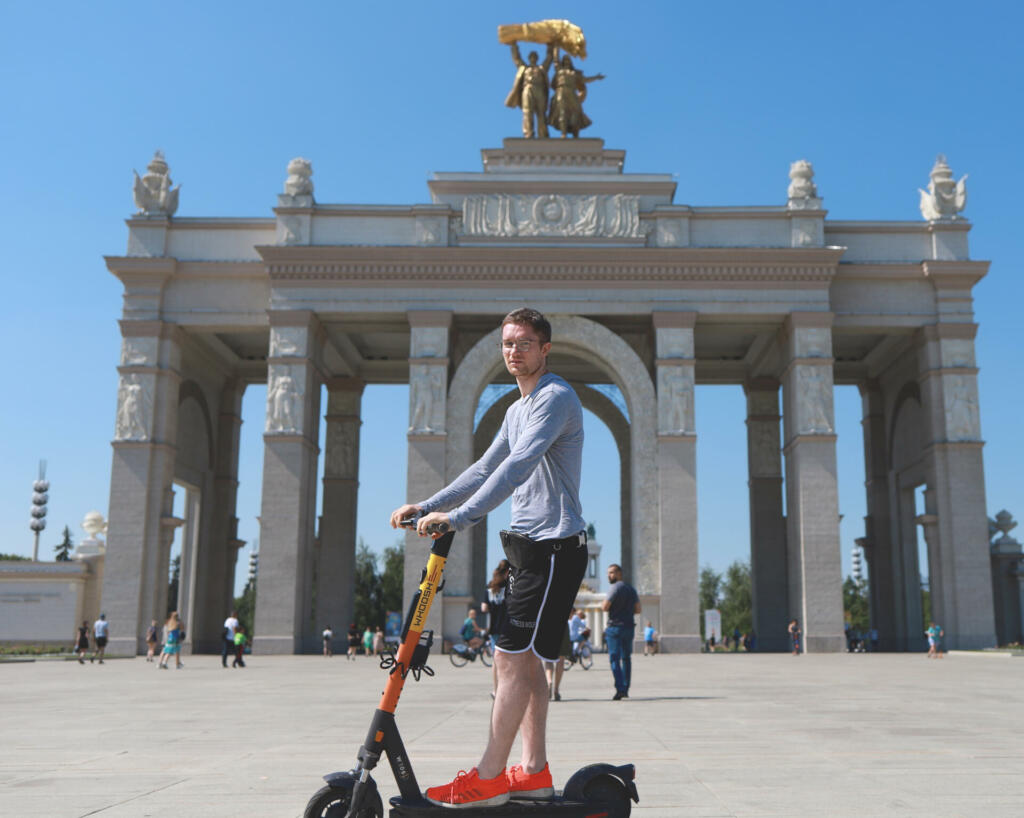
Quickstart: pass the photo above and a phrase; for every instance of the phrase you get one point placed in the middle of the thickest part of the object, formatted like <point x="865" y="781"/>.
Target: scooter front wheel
<point x="333" y="802"/>
<point x="458" y="657"/>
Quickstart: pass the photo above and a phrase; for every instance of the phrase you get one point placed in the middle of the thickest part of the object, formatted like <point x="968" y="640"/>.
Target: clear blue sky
<point x="379" y="96"/>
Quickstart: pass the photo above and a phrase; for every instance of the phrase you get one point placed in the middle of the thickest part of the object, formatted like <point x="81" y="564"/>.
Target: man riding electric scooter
<point x="536" y="458"/>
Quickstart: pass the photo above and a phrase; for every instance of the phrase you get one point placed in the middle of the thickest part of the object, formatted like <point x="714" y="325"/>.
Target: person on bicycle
<point x="470" y="633"/>
<point x="537" y="459"/>
<point x="578" y="631"/>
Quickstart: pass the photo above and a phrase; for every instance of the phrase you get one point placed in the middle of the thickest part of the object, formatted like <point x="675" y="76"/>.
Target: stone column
<point x="215" y="579"/>
<point x="877" y="540"/>
<point x="767" y="524"/>
<point x="335" y="574"/>
<point x="287" y="517"/>
<point x="960" y="581"/>
<point x="428" y="395"/>
<point x="812" y="502"/>
<point x="677" y="580"/>
<point x="141" y="497"/>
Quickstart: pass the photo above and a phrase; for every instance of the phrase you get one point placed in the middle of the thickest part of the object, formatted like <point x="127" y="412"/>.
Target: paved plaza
<point x="722" y="735"/>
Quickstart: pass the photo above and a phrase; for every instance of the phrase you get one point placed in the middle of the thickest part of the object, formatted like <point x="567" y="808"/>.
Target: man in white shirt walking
<point x="228" y="639"/>
<point x="101" y="630"/>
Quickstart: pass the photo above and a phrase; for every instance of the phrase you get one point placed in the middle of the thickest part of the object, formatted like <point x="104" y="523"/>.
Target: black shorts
<point x="101" y="641"/>
<point x="542" y="586"/>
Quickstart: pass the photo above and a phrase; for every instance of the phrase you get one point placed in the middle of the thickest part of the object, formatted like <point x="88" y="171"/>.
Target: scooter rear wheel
<point x="486" y="655"/>
<point x="608" y="791"/>
<point x="333" y="802"/>
<point x="586" y="657"/>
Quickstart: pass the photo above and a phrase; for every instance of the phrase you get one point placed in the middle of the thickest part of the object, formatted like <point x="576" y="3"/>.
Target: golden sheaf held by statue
<point x="558" y="33"/>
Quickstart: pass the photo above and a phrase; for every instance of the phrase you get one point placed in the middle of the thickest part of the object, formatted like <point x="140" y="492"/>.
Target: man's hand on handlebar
<point x="403" y="513"/>
<point x="435" y="519"/>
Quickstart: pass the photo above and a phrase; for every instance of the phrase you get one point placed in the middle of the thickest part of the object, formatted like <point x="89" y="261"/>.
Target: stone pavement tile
<point x="752" y="735"/>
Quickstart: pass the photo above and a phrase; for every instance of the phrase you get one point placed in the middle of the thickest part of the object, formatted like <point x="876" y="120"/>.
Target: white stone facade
<point x="643" y="292"/>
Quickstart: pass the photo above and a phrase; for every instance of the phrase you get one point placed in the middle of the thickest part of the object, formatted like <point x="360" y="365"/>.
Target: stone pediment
<point x="552" y="189"/>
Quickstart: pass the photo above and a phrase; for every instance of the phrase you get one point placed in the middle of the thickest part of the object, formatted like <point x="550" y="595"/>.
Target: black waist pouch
<point x="523" y="552"/>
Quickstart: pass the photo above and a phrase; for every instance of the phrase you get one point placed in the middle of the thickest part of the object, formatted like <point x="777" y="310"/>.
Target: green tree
<point x="245" y="607"/>
<point x="14" y="558"/>
<point x="368" y="609"/>
<point x="64" y="548"/>
<point x="710" y="587"/>
<point x="856" y="608"/>
<point x="737" y="600"/>
<point x="591" y="532"/>
<point x="392" y="579"/>
<point x="172" y="586"/>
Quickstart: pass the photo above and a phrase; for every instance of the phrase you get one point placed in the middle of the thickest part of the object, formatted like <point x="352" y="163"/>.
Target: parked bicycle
<point x="462" y="653"/>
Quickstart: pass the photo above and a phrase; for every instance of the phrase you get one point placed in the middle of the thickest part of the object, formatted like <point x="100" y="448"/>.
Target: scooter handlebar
<point x="433" y="528"/>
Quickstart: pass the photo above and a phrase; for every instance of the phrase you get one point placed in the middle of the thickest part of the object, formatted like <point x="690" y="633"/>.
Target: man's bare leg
<point x="521" y="699"/>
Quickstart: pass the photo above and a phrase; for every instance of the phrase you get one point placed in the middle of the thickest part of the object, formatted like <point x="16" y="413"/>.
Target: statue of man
<point x="530" y="91"/>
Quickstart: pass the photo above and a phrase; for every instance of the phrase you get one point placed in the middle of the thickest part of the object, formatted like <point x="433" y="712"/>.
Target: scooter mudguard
<point x="347" y="780"/>
<point x="576" y="786"/>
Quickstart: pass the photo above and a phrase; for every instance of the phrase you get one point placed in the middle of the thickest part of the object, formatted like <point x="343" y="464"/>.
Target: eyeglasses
<point x="522" y="345"/>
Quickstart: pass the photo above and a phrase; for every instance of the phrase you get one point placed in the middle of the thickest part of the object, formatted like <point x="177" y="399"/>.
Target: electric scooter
<point x="595" y="791"/>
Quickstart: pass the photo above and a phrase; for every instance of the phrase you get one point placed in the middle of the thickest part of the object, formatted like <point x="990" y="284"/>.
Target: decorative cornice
<point x="955" y="275"/>
<point x="316" y="263"/>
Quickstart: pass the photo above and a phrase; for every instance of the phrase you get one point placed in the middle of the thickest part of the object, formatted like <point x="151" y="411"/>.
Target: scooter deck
<point x="517" y="806"/>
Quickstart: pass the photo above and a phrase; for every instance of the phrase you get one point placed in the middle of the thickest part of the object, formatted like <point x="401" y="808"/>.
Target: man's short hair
<point x="616" y="566"/>
<point x="530" y="317"/>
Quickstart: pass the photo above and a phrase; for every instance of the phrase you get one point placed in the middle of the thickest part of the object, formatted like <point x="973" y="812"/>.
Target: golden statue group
<point x="568" y="86"/>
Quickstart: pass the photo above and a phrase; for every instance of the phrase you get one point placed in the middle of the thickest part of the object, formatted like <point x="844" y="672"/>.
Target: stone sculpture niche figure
<point x="570" y="89"/>
<point x="153" y="193"/>
<point x="284" y="406"/>
<point x="530" y="91"/>
<point x="945" y="198"/>
<point x="132" y="413"/>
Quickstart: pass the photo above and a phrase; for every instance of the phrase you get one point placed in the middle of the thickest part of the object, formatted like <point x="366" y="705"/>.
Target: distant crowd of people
<point x="369" y="642"/>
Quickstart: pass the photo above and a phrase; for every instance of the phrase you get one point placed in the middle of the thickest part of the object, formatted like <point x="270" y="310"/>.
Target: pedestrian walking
<point x="328" y="637"/>
<point x="240" y="642"/>
<point x="621" y="604"/>
<point x="175" y="635"/>
<point x="650" y="639"/>
<point x="495" y="608"/>
<point x="378" y="641"/>
<point x="100" y="630"/>
<point x="227" y="637"/>
<point x="82" y="641"/>
<point x="151" y="640"/>
<point x="556" y="669"/>
<point x="353" y="641"/>
<point x="368" y="641"/>
<point x="934" y="634"/>
<point x="794" y="636"/>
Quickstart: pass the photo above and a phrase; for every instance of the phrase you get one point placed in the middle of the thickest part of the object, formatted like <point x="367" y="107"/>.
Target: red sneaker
<point x="470" y="790"/>
<point x="523" y="785"/>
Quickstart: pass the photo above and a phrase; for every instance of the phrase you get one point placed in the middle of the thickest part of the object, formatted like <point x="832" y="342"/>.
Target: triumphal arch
<point x="645" y="293"/>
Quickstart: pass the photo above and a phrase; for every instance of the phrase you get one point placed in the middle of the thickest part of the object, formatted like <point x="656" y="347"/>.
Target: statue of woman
<point x="566" y="112"/>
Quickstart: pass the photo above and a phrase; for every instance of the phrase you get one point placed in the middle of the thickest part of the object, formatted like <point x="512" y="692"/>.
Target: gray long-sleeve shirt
<point x="537" y="458"/>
